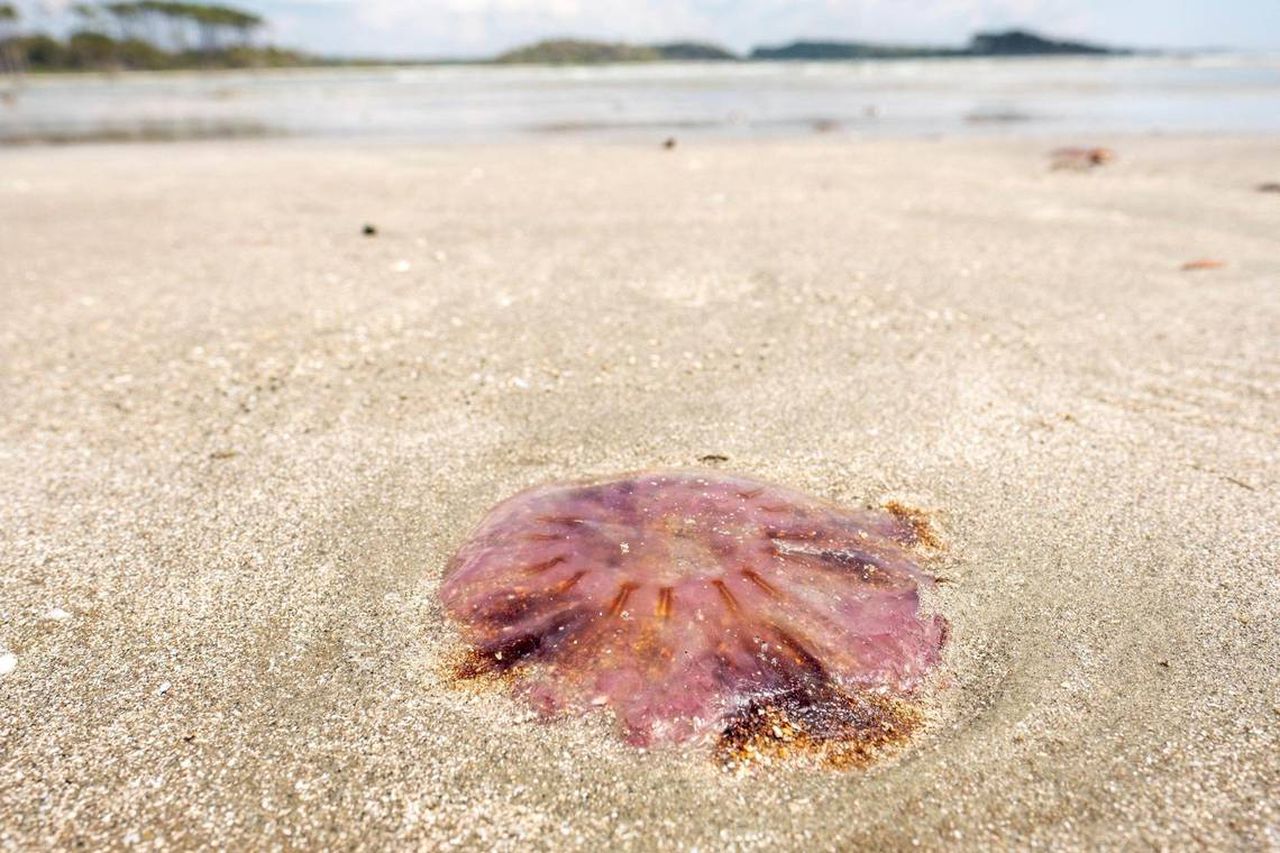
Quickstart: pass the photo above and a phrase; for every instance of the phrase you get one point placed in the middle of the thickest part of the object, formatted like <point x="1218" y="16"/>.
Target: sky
<point x="471" y="28"/>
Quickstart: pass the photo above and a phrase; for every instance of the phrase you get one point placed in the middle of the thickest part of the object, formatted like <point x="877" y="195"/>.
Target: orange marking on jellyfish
<point x="795" y="535"/>
<point x="570" y="582"/>
<point x="666" y="597"/>
<point x="560" y="519"/>
<point x="620" y="600"/>
<point x="764" y="586"/>
<point x="539" y="568"/>
<point x="726" y="595"/>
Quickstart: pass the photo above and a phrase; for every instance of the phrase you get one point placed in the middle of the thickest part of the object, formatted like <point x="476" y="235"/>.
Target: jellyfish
<point x="702" y="608"/>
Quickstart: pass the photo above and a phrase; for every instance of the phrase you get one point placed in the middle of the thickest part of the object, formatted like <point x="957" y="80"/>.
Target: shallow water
<point x="1197" y="94"/>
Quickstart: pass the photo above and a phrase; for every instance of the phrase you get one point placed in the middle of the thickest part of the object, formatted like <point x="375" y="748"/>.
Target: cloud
<point x="488" y="25"/>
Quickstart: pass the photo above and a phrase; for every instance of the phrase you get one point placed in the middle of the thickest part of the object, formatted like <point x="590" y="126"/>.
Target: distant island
<point x="584" y="52"/>
<point x="1007" y="43"/>
<point x="158" y="35"/>
<point x="1023" y="43"/>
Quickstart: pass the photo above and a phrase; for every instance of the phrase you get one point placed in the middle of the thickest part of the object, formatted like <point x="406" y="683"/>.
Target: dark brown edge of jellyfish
<point x="810" y="716"/>
<point x="842" y="730"/>
<point x="921" y="523"/>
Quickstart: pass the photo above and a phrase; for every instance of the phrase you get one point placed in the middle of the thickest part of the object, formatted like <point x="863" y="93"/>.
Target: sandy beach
<point x="240" y="440"/>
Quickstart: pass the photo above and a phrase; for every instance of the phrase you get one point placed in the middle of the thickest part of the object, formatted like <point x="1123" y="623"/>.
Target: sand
<point x="240" y="440"/>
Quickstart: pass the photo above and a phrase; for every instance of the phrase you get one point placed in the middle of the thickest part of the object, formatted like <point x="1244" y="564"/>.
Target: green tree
<point x="10" y="60"/>
<point x="88" y="50"/>
<point x="151" y="34"/>
<point x="42" y="52"/>
<point x="90" y="17"/>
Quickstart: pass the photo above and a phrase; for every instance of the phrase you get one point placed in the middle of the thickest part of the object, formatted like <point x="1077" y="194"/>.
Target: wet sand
<point x="240" y="440"/>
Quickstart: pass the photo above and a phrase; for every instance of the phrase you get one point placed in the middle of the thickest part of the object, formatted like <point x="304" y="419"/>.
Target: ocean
<point x="1075" y="96"/>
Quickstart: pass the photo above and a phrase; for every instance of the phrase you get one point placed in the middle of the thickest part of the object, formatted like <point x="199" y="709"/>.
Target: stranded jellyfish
<point x="699" y="607"/>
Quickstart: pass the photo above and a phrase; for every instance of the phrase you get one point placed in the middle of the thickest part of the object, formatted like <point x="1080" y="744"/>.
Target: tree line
<point x="170" y="26"/>
<point x="144" y="34"/>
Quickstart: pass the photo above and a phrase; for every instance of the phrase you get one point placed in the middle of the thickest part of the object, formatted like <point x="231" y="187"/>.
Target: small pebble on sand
<point x="1203" y="264"/>
<point x="1081" y="159"/>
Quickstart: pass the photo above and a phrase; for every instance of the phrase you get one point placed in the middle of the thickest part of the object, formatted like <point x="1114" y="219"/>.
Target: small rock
<point x="57" y="614"/>
<point x="369" y="230"/>
<point x="669" y="143"/>
<point x="8" y="663"/>
<point x="163" y="688"/>
<point x="1269" y="187"/>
